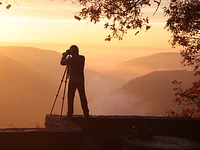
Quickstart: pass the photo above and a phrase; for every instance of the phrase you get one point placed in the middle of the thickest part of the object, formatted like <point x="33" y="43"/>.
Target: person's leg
<point x="84" y="103"/>
<point x="71" y="94"/>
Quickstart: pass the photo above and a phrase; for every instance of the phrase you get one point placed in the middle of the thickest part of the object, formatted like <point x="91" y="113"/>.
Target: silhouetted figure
<point x="75" y="63"/>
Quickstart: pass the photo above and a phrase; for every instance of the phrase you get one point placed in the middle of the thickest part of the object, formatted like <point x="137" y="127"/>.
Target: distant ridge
<point x="157" y="60"/>
<point x="30" y="78"/>
<point x="25" y="94"/>
<point x="33" y="75"/>
<point x="41" y="61"/>
<point x="143" y="65"/>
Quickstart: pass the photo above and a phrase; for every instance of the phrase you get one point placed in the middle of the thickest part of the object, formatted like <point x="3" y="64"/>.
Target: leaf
<point x="157" y="2"/>
<point x="148" y="27"/>
<point x="107" y="39"/>
<point x="77" y="18"/>
<point x="128" y="27"/>
<point x="137" y="32"/>
<point x="106" y="25"/>
<point x="147" y="20"/>
<point x="8" y="6"/>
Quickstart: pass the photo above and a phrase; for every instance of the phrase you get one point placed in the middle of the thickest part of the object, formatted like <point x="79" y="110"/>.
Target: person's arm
<point x="65" y="60"/>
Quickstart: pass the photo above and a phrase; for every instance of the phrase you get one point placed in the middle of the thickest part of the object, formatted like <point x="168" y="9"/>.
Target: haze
<point x="35" y="33"/>
<point x="51" y="25"/>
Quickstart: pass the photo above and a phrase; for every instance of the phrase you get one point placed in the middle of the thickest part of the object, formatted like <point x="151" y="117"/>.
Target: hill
<point x="25" y="94"/>
<point x="29" y="81"/>
<point x="143" y="65"/>
<point x="42" y="61"/>
<point x="46" y="62"/>
<point x="151" y="94"/>
<point x="155" y="90"/>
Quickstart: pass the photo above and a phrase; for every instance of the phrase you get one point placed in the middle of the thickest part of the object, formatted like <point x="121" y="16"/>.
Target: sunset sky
<point x="51" y="25"/>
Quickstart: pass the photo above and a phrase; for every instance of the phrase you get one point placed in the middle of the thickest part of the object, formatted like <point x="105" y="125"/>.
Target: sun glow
<point x="53" y="21"/>
<point x="51" y="24"/>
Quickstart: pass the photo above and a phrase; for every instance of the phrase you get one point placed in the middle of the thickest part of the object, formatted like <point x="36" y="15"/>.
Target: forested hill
<point x="154" y="91"/>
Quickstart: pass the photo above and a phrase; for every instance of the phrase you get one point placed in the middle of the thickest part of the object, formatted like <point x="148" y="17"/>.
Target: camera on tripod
<point x="67" y="52"/>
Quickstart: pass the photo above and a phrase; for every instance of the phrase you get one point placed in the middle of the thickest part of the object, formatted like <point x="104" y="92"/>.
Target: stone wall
<point x="56" y="136"/>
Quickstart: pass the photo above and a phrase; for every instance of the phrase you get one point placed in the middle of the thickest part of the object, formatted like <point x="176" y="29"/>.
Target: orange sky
<point x="43" y="21"/>
<point x="53" y="21"/>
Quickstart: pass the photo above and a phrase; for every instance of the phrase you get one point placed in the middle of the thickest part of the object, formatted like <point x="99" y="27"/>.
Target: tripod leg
<point x="63" y="98"/>
<point x="58" y="90"/>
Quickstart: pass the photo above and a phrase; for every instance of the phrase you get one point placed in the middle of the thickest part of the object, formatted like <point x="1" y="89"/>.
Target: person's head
<point x="74" y="50"/>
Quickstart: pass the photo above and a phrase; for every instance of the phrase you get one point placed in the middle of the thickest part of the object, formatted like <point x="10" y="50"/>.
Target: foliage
<point x="188" y="98"/>
<point x="119" y="15"/>
<point x="185" y="112"/>
<point x="184" y="24"/>
<point x="7" y="6"/>
<point x="37" y="125"/>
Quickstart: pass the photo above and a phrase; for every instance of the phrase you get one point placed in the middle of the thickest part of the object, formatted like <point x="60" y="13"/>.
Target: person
<point x="75" y="63"/>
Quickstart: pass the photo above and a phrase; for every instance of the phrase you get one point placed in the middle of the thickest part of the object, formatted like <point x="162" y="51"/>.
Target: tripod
<point x="65" y="75"/>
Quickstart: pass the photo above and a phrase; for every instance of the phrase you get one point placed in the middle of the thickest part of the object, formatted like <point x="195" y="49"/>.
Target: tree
<point x="119" y="15"/>
<point x="184" y="24"/>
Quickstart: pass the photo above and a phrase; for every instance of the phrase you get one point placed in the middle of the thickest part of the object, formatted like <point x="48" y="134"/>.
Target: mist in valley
<point x="137" y="86"/>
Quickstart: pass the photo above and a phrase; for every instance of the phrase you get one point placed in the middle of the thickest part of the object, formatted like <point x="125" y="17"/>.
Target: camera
<point x="68" y="52"/>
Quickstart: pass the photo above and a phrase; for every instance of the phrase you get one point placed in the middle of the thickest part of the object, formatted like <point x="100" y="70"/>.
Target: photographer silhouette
<point x="76" y="65"/>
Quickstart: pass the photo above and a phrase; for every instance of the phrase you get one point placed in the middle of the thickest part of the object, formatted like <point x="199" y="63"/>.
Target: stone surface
<point x="90" y="145"/>
<point x="59" y="134"/>
<point x="167" y="142"/>
<point x="161" y="143"/>
<point x="105" y="130"/>
<point x="57" y="122"/>
<point x="182" y="127"/>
